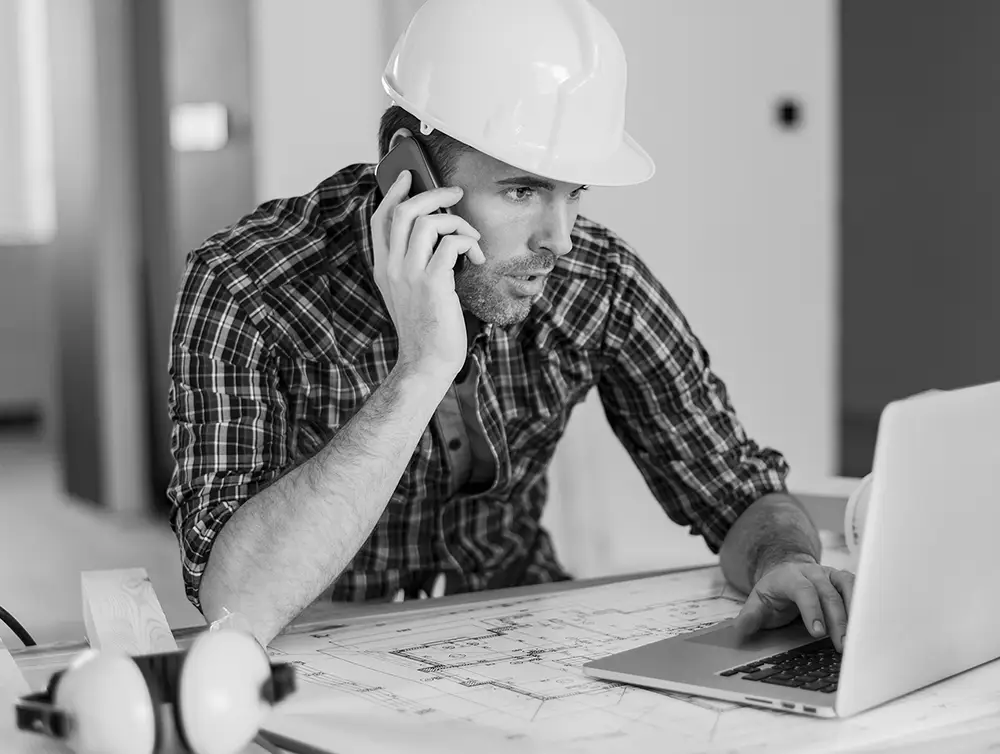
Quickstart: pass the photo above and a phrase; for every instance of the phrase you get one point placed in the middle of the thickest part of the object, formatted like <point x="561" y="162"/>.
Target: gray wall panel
<point x="920" y="93"/>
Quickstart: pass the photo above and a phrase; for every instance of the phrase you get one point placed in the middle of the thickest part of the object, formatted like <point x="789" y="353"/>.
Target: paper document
<point x="511" y="669"/>
<point x="970" y="737"/>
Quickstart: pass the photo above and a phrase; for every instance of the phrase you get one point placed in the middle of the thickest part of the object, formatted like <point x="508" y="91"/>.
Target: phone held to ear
<point x="409" y="155"/>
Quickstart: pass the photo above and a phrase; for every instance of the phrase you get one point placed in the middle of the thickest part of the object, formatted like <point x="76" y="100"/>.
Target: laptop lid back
<point x="925" y="603"/>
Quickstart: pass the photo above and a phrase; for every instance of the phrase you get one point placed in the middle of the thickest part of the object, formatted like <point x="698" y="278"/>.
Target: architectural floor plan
<point x="513" y="667"/>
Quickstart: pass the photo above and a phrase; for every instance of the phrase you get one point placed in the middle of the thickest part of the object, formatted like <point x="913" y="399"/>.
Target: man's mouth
<point x="531" y="276"/>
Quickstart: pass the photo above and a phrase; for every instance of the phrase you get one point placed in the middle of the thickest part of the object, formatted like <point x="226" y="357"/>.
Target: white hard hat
<point x="537" y="84"/>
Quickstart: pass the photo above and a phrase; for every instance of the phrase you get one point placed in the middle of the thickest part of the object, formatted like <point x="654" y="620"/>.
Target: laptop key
<point x="781" y="681"/>
<point x="816" y="685"/>
<point x="829" y="689"/>
<point x="734" y="671"/>
<point x="760" y="675"/>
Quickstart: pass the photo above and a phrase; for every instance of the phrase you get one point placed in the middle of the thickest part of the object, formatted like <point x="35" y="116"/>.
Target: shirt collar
<point x="363" y="224"/>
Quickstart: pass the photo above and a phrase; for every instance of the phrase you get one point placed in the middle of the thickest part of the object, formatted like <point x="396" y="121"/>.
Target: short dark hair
<point x="442" y="150"/>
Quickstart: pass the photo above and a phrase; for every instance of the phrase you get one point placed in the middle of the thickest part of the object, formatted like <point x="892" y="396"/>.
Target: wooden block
<point x="121" y="611"/>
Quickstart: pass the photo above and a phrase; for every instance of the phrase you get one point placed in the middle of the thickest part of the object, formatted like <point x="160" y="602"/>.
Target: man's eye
<point x="521" y="193"/>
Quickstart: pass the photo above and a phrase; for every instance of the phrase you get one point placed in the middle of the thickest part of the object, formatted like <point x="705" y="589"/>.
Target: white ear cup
<point x="109" y="705"/>
<point x="219" y="694"/>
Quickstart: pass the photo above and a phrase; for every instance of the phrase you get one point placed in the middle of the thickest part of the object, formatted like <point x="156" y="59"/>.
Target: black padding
<point x="53" y="683"/>
<point x="157" y="696"/>
<point x="36" y="713"/>
<point x="162" y="670"/>
<point x="281" y="683"/>
<point x="177" y="670"/>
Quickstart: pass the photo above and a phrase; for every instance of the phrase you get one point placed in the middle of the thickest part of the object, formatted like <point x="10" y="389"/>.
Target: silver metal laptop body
<point x="923" y="606"/>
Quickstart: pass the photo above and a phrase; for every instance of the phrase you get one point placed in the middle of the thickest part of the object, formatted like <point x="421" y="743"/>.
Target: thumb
<point x="751" y="617"/>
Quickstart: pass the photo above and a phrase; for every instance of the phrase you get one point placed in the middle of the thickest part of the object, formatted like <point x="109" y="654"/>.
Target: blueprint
<point x="512" y="669"/>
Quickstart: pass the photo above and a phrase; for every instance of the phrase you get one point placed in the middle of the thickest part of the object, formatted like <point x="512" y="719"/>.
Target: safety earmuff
<point x="109" y="703"/>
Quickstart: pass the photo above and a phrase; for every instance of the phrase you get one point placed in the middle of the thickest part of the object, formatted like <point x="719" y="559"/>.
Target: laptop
<point x="922" y="608"/>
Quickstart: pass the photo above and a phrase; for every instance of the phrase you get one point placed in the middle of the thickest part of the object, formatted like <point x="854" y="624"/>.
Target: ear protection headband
<point x="109" y="702"/>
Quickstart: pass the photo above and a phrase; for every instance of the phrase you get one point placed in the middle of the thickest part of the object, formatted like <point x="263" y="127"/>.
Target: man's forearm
<point x="774" y="529"/>
<point x="286" y="544"/>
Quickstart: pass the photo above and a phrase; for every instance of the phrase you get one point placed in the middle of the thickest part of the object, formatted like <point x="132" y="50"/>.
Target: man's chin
<point x="511" y="312"/>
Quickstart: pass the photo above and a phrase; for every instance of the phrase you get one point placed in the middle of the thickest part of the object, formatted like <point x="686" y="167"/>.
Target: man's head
<point x="525" y="220"/>
<point x="532" y="94"/>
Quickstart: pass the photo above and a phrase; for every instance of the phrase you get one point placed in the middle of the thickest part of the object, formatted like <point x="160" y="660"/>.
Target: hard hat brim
<point x="630" y="164"/>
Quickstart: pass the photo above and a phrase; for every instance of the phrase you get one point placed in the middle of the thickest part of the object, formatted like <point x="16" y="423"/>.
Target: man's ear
<point x="401" y="133"/>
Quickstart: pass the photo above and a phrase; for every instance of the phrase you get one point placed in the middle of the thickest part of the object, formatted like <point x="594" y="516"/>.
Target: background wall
<point x="921" y="110"/>
<point x="26" y="210"/>
<point x="316" y="92"/>
<point x="27" y="205"/>
<point x="734" y="192"/>
<point x="25" y="333"/>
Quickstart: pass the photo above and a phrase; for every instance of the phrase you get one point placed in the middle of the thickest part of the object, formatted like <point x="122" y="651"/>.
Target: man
<point x="351" y="413"/>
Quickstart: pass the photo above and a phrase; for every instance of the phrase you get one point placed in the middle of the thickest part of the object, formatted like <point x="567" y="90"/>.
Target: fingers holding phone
<point x="417" y="225"/>
<point x="415" y="249"/>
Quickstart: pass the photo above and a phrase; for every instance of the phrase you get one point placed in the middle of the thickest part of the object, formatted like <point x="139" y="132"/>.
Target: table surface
<point x="38" y="663"/>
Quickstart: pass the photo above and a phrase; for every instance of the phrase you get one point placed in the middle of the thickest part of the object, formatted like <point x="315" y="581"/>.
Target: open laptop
<point x="924" y="604"/>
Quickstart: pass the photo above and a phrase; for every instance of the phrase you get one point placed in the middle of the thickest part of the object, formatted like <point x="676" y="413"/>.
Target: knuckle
<point x="830" y="595"/>
<point x="400" y="212"/>
<point x="423" y="224"/>
<point x="767" y="600"/>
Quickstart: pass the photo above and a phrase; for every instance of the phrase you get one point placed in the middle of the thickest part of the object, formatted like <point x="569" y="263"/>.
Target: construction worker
<point x="369" y="384"/>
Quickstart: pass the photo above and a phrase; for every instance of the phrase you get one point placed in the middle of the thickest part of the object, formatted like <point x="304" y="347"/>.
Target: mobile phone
<point x="409" y="155"/>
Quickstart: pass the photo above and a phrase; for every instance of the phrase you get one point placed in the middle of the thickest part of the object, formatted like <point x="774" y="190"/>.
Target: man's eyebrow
<point x="530" y="181"/>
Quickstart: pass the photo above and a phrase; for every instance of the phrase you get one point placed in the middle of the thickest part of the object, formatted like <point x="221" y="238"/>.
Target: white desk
<point x="38" y="663"/>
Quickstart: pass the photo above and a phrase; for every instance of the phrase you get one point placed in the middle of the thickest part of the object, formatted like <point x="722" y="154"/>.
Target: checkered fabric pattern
<point x="280" y="335"/>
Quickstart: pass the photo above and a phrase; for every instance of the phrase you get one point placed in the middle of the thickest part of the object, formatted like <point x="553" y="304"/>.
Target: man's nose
<point x="556" y="233"/>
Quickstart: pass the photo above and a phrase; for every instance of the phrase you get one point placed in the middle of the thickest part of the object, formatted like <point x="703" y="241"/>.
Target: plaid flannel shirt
<point x="280" y="335"/>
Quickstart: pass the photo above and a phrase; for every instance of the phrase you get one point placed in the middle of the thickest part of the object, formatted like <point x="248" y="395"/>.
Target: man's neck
<point x="473" y="326"/>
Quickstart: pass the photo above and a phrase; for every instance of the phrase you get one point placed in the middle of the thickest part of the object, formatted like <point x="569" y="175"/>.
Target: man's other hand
<point x="819" y="594"/>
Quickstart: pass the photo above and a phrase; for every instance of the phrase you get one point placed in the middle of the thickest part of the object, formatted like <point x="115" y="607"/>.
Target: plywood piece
<point x="121" y="611"/>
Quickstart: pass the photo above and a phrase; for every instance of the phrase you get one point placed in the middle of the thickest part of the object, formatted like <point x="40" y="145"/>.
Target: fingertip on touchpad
<point x="727" y="638"/>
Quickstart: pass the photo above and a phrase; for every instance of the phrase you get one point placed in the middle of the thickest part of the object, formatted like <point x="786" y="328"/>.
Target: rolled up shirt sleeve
<point x="673" y="414"/>
<point x="228" y="415"/>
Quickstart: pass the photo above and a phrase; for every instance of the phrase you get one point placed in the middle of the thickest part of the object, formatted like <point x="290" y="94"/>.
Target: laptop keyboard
<point x="814" y="667"/>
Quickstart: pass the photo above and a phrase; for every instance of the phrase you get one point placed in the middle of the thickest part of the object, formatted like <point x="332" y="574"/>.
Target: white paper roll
<point x="857" y="503"/>
<point x="855" y="513"/>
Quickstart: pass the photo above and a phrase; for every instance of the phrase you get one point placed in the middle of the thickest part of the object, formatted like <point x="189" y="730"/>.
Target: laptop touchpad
<point x="765" y="638"/>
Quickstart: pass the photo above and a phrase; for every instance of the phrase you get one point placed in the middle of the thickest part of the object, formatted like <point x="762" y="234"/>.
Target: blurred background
<point x="821" y="212"/>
